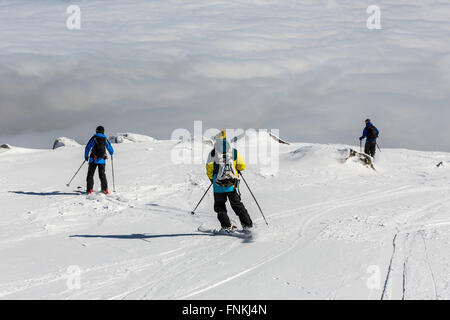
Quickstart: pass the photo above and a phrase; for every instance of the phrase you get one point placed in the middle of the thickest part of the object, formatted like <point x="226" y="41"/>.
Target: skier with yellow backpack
<point x="222" y="168"/>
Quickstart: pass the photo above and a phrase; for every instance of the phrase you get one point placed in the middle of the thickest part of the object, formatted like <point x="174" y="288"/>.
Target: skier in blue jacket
<point x="370" y="133"/>
<point x="95" y="153"/>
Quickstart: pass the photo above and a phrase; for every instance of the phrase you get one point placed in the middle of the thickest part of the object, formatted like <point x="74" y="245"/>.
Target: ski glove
<point x="86" y="158"/>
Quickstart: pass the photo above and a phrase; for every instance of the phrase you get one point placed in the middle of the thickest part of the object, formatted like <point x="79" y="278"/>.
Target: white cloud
<point x="152" y="66"/>
<point x="238" y="70"/>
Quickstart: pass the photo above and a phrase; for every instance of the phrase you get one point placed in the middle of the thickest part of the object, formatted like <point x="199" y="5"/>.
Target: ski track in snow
<point x="390" y="267"/>
<point x="314" y="216"/>
<point x="404" y="233"/>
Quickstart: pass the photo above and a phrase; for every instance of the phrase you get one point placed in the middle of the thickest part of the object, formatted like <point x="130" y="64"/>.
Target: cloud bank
<point x="309" y="68"/>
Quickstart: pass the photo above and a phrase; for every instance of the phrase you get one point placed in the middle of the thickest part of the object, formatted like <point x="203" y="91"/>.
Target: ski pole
<point x="378" y="146"/>
<point x="112" y="167"/>
<point x="76" y="173"/>
<point x="360" y="146"/>
<point x="253" y="197"/>
<point x="193" y="211"/>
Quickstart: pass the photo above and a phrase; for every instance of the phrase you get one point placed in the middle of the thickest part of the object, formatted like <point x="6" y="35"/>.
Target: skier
<point x="95" y="153"/>
<point x="371" y="134"/>
<point x="222" y="168"/>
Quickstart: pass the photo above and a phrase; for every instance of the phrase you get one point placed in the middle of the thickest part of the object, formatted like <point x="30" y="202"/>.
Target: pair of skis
<point x="112" y="167"/>
<point x="81" y="192"/>
<point x="243" y="234"/>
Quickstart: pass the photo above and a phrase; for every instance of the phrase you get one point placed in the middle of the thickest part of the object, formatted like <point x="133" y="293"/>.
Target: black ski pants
<point x="101" y="174"/>
<point x="236" y="204"/>
<point x="370" y="148"/>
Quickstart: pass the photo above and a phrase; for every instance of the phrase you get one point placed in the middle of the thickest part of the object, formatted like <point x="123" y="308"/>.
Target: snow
<point x="4" y="148"/>
<point x="129" y="138"/>
<point x="201" y="140"/>
<point x="65" y="142"/>
<point x="12" y="152"/>
<point x="337" y="229"/>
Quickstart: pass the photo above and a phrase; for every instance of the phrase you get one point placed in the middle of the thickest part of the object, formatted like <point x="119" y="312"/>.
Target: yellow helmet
<point x="221" y="135"/>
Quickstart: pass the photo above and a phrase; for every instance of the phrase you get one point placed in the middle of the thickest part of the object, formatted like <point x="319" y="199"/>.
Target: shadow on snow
<point x="137" y="235"/>
<point x="52" y="193"/>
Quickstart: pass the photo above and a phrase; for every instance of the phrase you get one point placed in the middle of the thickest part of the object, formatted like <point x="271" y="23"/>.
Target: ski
<point x="235" y="233"/>
<point x="95" y="193"/>
<point x="80" y="191"/>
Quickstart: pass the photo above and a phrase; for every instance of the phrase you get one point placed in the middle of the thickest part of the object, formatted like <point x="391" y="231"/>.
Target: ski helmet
<point x="221" y="145"/>
<point x="221" y="135"/>
<point x="100" y="129"/>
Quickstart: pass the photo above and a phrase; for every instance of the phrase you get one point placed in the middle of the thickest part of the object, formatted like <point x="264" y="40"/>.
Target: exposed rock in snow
<point x="322" y="156"/>
<point x="5" y="148"/>
<point x="130" y="138"/>
<point x="278" y="139"/>
<point x="361" y="157"/>
<point x="65" y="142"/>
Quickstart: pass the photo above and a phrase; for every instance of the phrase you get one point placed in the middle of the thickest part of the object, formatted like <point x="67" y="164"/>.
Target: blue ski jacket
<point x="365" y="132"/>
<point x="90" y="145"/>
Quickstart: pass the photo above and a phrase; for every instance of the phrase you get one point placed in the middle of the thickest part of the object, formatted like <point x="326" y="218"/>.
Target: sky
<point x="311" y="69"/>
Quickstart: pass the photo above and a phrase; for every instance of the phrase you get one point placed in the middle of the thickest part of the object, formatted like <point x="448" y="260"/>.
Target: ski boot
<point x="247" y="229"/>
<point x="228" y="229"/>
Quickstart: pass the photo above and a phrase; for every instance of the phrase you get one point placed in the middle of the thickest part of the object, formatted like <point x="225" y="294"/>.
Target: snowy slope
<point x="337" y="230"/>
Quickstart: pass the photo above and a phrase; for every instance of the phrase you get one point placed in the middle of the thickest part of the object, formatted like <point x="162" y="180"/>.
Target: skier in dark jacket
<point x="371" y="134"/>
<point x="95" y="153"/>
